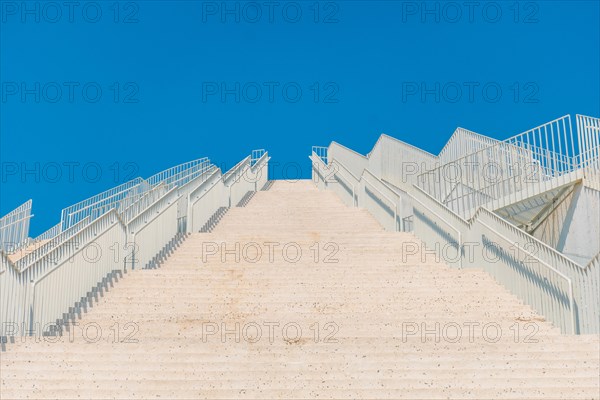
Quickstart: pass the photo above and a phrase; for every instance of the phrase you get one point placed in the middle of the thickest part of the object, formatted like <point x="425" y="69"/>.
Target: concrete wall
<point x="574" y="227"/>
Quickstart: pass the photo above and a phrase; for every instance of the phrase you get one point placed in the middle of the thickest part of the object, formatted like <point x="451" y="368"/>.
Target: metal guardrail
<point x="128" y="225"/>
<point x="69" y="279"/>
<point x="560" y="289"/>
<point x="559" y="302"/>
<point x="40" y="252"/>
<point x="152" y="229"/>
<point x="321" y="152"/>
<point x="400" y="163"/>
<point x="365" y="179"/>
<point x="50" y="233"/>
<point x="258" y="162"/>
<point x="224" y="190"/>
<point x="512" y="170"/>
<point x="180" y="174"/>
<point x="142" y="202"/>
<point x="588" y="132"/>
<point x="14" y="228"/>
<point x="338" y="170"/>
<point x="98" y="204"/>
<point x="237" y="170"/>
<point x="125" y="195"/>
<point x="256" y="155"/>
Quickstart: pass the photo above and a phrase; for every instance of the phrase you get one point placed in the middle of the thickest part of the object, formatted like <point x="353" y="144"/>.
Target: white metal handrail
<point x="114" y="218"/>
<point x="79" y="274"/>
<point x="142" y="202"/>
<point x="151" y="210"/>
<point x="77" y="211"/>
<point x="525" y="164"/>
<point x="155" y="207"/>
<point x="50" y="233"/>
<point x="175" y="173"/>
<point x="256" y="156"/>
<point x="160" y="218"/>
<point x="186" y="176"/>
<point x="321" y="152"/>
<point x="236" y="170"/>
<point x="124" y="195"/>
<point x="223" y="190"/>
<point x="588" y="132"/>
<point x="44" y="249"/>
<point x="548" y="266"/>
<point x="531" y="239"/>
<point x="334" y="161"/>
<point x="199" y="197"/>
<point x="259" y="162"/>
<point x="391" y="202"/>
<point x="352" y="184"/>
<point x="580" y="312"/>
<point x="14" y="227"/>
<point x="444" y="220"/>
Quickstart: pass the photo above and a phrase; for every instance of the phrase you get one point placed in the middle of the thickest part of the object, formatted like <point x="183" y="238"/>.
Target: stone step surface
<point x="298" y="296"/>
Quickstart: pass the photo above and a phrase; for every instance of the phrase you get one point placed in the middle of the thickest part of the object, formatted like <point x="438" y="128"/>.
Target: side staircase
<point x="526" y="208"/>
<point x="45" y="281"/>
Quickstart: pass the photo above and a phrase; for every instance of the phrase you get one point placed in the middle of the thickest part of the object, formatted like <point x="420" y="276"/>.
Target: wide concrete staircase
<point x="298" y="296"/>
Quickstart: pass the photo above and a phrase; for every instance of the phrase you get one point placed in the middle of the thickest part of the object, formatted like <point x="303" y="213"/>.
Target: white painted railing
<point x="14" y="228"/>
<point x="181" y="174"/>
<point x="563" y="291"/>
<point x="143" y="202"/>
<point x="539" y="275"/>
<point x="353" y="161"/>
<point x="256" y="155"/>
<point x="345" y="183"/>
<point x="380" y="200"/>
<point x="152" y="230"/>
<point x="205" y="200"/>
<point x="588" y="131"/>
<point x="50" y="233"/>
<point x="532" y="270"/>
<point x="239" y="182"/>
<point x="260" y="170"/>
<point x="463" y="142"/>
<point x="98" y="204"/>
<point x="400" y="162"/>
<point x="130" y="226"/>
<point x="225" y="190"/>
<point x="321" y="152"/>
<point x="517" y="168"/>
<point x="183" y="191"/>
<point x="41" y="250"/>
<point x="440" y="229"/>
<point x="83" y="250"/>
<point x="125" y="195"/>
<point x="54" y="293"/>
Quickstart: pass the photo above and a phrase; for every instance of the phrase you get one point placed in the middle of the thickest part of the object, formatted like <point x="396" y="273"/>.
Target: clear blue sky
<point x="168" y="71"/>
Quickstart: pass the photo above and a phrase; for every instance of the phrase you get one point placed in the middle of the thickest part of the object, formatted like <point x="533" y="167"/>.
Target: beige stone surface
<point x="359" y="292"/>
<point x="16" y="256"/>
